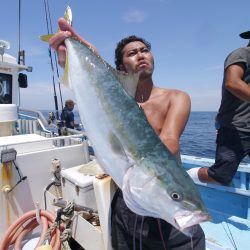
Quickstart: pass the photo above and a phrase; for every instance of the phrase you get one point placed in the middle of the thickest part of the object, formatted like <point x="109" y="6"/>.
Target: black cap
<point x="245" y="35"/>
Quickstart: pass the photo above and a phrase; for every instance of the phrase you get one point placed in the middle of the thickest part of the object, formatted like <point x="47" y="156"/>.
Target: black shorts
<point x="130" y="231"/>
<point x="232" y="147"/>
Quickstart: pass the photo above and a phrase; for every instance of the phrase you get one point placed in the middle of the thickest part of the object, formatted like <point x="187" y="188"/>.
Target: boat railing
<point x="37" y="115"/>
<point x="47" y="143"/>
<point x="33" y="121"/>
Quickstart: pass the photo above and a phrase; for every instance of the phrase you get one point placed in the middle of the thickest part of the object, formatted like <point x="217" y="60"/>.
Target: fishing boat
<point x="228" y="206"/>
<point x="54" y="193"/>
<point x="44" y="174"/>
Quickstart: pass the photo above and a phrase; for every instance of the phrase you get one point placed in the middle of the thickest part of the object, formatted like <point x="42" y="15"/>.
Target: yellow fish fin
<point x="67" y="16"/>
<point x="45" y="38"/>
<point x="65" y="80"/>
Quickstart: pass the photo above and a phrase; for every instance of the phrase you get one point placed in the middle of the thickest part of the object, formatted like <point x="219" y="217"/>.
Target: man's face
<point x="137" y="58"/>
<point x="71" y="106"/>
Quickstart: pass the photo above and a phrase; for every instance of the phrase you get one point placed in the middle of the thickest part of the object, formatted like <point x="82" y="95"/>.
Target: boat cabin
<point x="11" y="80"/>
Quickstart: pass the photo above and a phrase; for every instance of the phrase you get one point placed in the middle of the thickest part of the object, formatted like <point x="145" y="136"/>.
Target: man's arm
<point x="234" y="83"/>
<point x="175" y="121"/>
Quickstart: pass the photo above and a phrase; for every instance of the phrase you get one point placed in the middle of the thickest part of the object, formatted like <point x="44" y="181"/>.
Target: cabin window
<point x="5" y="88"/>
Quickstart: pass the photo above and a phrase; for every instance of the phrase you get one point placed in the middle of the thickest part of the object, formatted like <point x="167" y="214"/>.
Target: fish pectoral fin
<point x="117" y="146"/>
<point x="128" y="81"/>
<point x="46" y="38"/>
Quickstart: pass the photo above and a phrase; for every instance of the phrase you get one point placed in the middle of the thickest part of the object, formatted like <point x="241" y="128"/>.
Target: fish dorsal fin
<point x="128" y="81"/>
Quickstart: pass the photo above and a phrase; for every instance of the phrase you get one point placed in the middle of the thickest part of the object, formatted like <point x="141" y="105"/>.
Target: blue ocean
<point x="198" y="138"/>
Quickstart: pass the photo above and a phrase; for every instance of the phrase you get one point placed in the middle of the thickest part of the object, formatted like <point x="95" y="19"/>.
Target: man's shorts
<point x="232" y="147"/>
<point x="130" y="231"/>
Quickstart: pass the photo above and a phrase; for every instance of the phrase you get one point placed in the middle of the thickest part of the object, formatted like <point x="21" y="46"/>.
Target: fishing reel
<point x="51" y="117"/>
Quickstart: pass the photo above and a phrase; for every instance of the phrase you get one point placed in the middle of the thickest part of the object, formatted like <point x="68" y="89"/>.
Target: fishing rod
<point x="51" y="60"/>
<point x="55" y="58"/>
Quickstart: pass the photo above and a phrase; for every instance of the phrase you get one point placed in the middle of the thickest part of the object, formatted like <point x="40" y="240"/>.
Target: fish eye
<point x="176" y="196"/>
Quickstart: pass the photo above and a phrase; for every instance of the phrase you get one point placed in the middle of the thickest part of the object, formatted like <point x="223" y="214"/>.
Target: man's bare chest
<point x="156" y="114"/>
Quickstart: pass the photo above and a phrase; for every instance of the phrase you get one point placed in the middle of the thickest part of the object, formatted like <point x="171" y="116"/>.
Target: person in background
<point x="67" y="115"/>
<point x="233" y="119"/>
<point x="167" y="110"/>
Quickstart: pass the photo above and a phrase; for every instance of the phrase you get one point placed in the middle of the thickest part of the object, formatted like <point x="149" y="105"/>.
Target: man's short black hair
<point x="120" y="45"/>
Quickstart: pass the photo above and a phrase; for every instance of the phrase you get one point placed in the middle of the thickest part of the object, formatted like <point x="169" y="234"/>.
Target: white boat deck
<point x="25" y="143"/>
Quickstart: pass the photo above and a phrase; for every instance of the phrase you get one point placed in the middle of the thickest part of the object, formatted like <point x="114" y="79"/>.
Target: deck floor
<point x="228" y="233"/>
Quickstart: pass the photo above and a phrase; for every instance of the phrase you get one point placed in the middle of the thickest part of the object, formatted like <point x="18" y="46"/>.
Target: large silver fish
<point x="153" y="182"/>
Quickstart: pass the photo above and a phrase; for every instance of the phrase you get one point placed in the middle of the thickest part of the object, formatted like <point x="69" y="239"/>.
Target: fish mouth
<point x="185" y="222"/>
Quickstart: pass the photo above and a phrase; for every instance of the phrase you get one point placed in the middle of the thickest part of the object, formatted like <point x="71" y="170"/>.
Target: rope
<point x="49" y="232"/>
<point x="68" y="210"/>
<point x="66" y="235"/>
<point x="162" y="238"/>
<point x="227" y="232"/>
<point x="142" y="222"/>
<point x="229" y="235"/>
<point x="134" y="246"/>
<point x="68" y="213"/>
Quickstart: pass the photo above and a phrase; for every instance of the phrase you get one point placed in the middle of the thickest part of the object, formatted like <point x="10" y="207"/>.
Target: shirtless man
<point x="167" y="111"/>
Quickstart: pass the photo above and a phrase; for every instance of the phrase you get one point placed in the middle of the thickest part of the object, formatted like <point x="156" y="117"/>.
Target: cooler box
<point x="77" y="184"/>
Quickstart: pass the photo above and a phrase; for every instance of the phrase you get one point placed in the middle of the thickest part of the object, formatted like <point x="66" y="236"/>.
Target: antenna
<point x="3" y="45"/>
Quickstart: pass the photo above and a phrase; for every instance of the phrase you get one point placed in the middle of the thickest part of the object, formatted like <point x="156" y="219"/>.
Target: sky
<point x="190" y="40"/>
